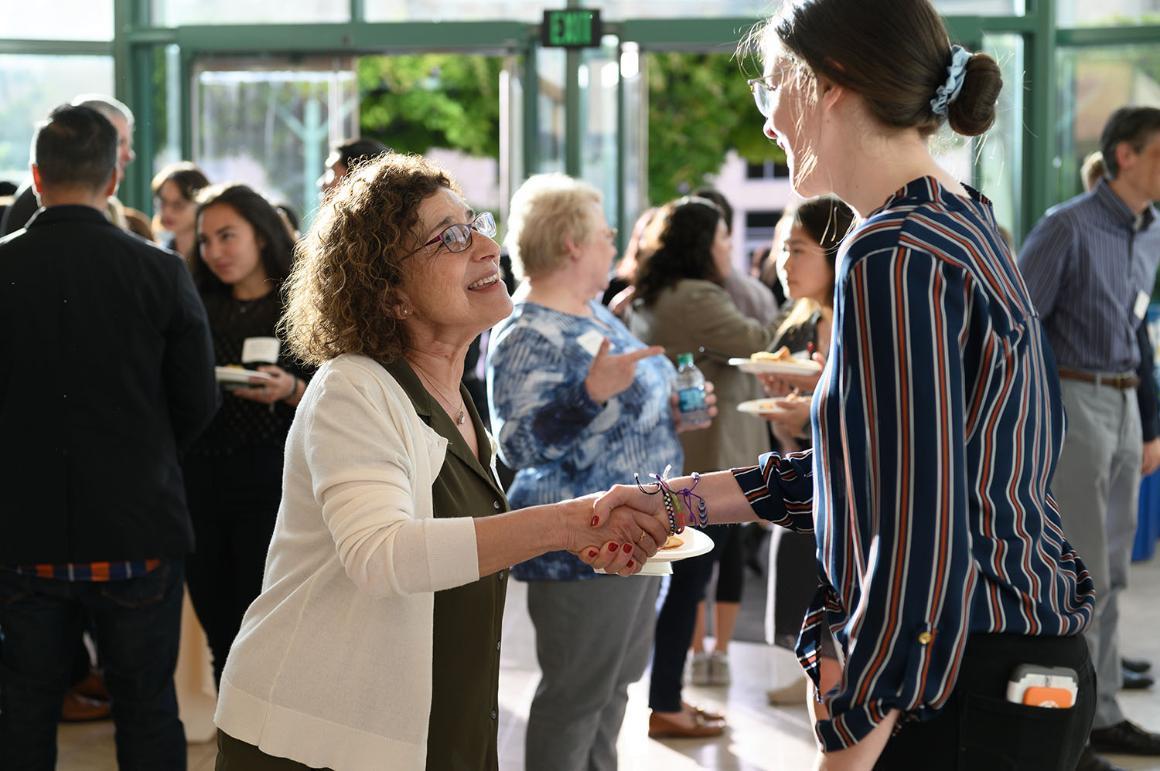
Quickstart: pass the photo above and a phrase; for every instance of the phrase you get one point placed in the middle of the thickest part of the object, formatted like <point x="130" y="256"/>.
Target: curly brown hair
<point x="342" y="294"/>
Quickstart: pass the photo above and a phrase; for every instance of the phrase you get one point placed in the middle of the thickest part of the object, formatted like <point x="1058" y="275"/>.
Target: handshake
<point x="615" y="531"/>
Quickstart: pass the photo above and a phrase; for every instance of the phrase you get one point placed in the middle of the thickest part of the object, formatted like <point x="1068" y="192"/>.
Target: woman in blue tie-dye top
<point x="578" y="404"/>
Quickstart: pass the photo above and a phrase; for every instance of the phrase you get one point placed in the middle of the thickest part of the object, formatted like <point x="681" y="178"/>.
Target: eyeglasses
<point x="458" y="237"/>
<point x="763" y="94"/>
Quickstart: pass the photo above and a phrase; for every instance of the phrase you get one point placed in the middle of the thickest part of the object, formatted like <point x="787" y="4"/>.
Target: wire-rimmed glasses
<point x="457" y="238"/>
<point x="762" y="89"/>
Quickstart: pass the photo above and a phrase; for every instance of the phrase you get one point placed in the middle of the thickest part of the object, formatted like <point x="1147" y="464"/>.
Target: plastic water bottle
<point x="690" y="387"/>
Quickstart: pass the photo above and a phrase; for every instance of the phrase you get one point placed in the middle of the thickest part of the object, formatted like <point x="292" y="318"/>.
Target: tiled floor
<point x="761" y="738"/>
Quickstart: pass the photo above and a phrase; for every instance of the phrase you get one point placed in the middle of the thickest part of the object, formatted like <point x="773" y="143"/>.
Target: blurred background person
<point x="233" y="473"/>
<point x="343" y="156"/>
<point x="116" y="112"/>
<point x="681" y="304"/>
<point x="175" y="190"/>
<point x="578" y="404"/>
<point x="1093" y="170"/>
<point x="815" y="229"/>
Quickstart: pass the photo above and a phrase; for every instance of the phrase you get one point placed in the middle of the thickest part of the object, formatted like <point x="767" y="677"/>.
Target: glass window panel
<point x="270" y="125"/>
<point x="1094" y="82"/>
<point x="455" y="10"/>
<point x="550" y="64"/>
<point x="169" y="13"/>
<point x="30" y="86"/>
<point x="58" y="20"/>
<point x="999" y="155"/>
<point x="981" y="7"/>
<point x="599" y="99"/>
<point x="1106" y="13"/>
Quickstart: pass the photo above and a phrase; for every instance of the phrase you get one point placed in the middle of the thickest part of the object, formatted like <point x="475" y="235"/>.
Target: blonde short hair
<point x="1093" y="170"/>
<point x="546" y="210"/>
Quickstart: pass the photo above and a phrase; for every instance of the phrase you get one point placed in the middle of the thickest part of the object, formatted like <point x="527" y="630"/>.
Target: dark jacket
<point x="106" y="375"/>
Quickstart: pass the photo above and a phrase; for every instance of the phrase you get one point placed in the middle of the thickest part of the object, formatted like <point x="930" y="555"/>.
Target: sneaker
<point x="1089" y="761"/>
<point x="719" y="668"/>
<point x="1125" y="738"/>
<point x="699" y="673"/>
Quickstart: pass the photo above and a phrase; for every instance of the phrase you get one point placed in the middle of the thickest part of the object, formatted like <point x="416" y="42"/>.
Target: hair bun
<point x="974" y="111"/>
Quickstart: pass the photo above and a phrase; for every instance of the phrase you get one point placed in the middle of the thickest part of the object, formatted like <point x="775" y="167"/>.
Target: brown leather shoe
<point x="93" y="686"/>
<point x="661" y="727"/>
<point x="81" y="709"/>
<point x="706" y="714"/>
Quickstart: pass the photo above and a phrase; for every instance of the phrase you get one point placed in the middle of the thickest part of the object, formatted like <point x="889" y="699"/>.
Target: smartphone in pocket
<point x="1046" y="687"/>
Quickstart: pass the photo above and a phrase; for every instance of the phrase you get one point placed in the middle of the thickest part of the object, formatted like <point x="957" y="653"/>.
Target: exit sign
<point x="571" y="28"/>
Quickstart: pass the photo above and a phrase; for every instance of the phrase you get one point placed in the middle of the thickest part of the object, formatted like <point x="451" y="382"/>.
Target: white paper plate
<point x="763" y="367"/>
<point x="238" y="376"/>
<point x="695" y="544"/>
<point x="758" y="407"/>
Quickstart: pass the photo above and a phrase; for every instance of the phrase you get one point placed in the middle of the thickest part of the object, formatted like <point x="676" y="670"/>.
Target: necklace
<point x="460" y="415"/>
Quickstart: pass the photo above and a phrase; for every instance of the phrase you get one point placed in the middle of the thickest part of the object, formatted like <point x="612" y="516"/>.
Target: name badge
<point x="1142" y="300"/>
<point x="590" y="341"/>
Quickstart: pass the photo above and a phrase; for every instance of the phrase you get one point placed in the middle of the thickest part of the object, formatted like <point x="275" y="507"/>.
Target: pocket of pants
<point x="998" y="735"/>
<point x="140" y="592"/>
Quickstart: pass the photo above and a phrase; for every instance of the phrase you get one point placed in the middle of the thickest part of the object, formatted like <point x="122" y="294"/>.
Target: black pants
<point x="233" y="501"/>
<point x="236" y="755"/>
<point x="979" y="730"/>
<point x="674" y="632"/>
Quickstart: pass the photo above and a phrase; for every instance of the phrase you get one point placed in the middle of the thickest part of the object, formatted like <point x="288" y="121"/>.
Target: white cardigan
<point x="332" y="666"/>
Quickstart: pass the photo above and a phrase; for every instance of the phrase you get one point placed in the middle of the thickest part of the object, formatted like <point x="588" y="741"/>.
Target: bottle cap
<point x="684" y="360"/>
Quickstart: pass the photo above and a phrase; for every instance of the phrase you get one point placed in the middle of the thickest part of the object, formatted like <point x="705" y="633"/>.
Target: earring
<point x="405" y="312"/>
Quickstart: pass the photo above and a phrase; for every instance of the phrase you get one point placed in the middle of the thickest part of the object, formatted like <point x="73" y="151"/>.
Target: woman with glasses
<point x="578" y="403"/>
<point x="376" y="640"/>
<point x="943" y="571"/>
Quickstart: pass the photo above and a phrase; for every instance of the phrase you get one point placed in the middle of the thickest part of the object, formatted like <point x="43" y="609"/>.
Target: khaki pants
<point x="1097" y="486"/>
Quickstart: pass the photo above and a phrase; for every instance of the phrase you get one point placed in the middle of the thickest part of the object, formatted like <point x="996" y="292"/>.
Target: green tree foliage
<point x="699" y="108"/>
<point x="414" y="103"/>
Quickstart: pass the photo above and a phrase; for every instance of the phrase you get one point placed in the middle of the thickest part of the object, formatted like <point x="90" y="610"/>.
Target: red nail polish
<point x="592" y="554"/>
<point x="631" y="563"/>
<point x="612" y="547"/>
<point x="595" y="520"/>
<point x="627" y="548"/>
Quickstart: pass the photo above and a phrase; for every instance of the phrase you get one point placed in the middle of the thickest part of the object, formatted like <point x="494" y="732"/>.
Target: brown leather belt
<point x="1121" y="382"/>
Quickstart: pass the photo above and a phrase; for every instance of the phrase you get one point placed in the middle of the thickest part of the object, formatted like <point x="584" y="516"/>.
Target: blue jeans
<point x="138" y="626"/>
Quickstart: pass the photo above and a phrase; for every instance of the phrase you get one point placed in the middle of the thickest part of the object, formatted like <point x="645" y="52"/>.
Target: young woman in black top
<point x="233" y="474"/>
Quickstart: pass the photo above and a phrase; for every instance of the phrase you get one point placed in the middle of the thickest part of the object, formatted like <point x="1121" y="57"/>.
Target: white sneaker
<point x="719" y="668"/>
<point x="700" y="672"/>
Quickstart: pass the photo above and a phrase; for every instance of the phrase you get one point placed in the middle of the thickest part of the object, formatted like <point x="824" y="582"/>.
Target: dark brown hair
<point x="342" y="295"/>
<point x="1134" y="125"/>
<point x="678" y="244"/>
<point x="269" y="229"/>
<point x="188" y="178"/>
<point x="894" y="53"/>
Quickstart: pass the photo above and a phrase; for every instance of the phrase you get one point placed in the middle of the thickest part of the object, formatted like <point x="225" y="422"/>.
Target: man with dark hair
<point x="106" y="375"/>
<point x="345" y="156"/>
<point x="1090" y="265"/>
<point x="121" y="117"/>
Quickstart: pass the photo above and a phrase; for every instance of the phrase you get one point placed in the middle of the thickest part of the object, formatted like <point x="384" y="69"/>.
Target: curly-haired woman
<point x="375" y="641"/>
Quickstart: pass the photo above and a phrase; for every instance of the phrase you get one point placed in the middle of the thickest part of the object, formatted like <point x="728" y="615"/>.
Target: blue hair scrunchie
<point x="956" y="75"/>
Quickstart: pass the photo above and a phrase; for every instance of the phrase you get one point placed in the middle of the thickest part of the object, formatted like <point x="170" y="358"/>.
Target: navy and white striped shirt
<point x="1085" y="264"/>
<point x="937" y="425"/>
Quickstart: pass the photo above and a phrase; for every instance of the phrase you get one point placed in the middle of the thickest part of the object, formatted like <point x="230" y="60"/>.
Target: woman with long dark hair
<point x="233" y="474"/>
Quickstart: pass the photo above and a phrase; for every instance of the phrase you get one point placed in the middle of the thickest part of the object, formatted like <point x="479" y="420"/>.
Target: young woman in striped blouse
<point x="937" y="421"/>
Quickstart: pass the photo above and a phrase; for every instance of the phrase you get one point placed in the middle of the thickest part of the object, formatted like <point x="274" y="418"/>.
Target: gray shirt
<point x="1090" y="265"/>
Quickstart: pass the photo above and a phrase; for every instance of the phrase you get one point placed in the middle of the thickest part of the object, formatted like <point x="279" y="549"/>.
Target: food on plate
<point x="673" y="542"/>
<point x="781" y="354"/>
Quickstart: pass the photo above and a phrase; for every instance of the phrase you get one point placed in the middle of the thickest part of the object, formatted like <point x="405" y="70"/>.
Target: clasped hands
<point x="616" y="531"/>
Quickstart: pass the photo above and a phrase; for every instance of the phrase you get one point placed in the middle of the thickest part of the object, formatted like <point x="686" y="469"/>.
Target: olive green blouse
<point x="463" y="727"/>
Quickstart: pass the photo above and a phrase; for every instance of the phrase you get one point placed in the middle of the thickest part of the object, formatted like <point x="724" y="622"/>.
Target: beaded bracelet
<point x="676" y="500"/>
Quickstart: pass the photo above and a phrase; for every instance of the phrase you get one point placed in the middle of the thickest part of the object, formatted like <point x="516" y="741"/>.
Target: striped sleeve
<point x="902" y="416"/>
<point x="781" y="489"/>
